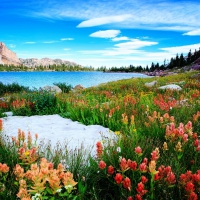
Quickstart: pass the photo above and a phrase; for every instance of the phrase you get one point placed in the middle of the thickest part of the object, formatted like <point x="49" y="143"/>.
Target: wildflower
<point x="4" y="168"/>
<point x="138" y="150"/>
<point x="127" y="183"/>
<point x="155" y="154"/>
<point x="111" y="170"/>
<point x="198" y="148"/>
<point x="143" y="167"/>
<point x="165" y="146"/>
<point x="170" y="178"/>
<point x="119" y="149"/>
<point x="196" y="143"/>
<point x="189" y="187"/>
<point x="185" y="137"/>
<point x="99" y="149"/>
<point x="118" y="178"/>
<point x="132" y="164"/>
<point x="130" y="198"/>
<point x="102" y="164"/>
<point x="144" y="179"/>
<point x="138" y="197"/>
<point x="178" y="147"/>
<point x="140" y="189"/>
<point x="1" y="124"/>
<point x="152" y="167"/>
<point x="117" y="132"/>
<point x="192" y="196"/>
<point x="123" y="164"/>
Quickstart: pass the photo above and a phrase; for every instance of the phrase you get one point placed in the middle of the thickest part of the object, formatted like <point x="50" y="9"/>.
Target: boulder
<point x="79" y="87"/>
<point x="170" y="87"/>
<point x="54" y="89"/>
<point x="151" y="84"/>
<point x="7" y="56"/>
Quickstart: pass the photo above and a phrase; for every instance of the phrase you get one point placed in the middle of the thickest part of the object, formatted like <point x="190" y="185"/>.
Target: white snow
<point x="55" y="129"/>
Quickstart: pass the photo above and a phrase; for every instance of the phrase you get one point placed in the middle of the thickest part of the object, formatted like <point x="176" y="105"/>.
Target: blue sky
<point x="101" y="32"/>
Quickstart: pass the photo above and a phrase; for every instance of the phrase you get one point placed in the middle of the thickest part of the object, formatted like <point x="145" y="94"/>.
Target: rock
<point x="170" y="87"/>
<point x="8" y="114"/>
<point x="54" y="89"/>
<point x="151" y="84"/>
<point x="7" y="56"/>
<point x="79" y="87"/>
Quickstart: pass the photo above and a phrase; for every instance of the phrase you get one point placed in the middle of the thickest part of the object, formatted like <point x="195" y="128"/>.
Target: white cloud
<point x="106" y="34"/>
<point x="120" y="38"/>
<point x="193" y="33"/>
<point x="30" y="42"/>
<point x="63" y="39"/>
<point x="49" y="42"/>
<point x="156" y="15"/>
<point x="181" y="49"/>
<point x="135" y="44"/>
<point x="66" y="49"/>
<point x="104" y="20"/>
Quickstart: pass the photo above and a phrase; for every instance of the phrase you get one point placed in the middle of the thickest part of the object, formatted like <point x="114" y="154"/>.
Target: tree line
<point x="178" y="61"/>
<point x="54" y="67"/>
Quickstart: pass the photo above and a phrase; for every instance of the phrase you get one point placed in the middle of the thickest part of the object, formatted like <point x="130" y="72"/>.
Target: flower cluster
<point x="27" y="150"/>
<point x="43" y="177"/>
<point x="4" y="169"/>
<point x="191" y="184"/>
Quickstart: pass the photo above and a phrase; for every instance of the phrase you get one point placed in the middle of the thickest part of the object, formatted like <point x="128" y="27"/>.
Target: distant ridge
<point x="45" y="62"/>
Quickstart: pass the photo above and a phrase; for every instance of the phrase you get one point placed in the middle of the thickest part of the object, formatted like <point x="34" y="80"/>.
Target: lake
<point x="40" y="79"/>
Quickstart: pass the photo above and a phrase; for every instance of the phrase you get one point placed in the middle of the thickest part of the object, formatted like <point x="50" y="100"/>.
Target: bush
<point x="12" y="88"/>
<point x="64" y="87"/>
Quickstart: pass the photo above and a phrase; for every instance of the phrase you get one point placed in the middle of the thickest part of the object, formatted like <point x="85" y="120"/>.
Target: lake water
<point x="40" y="79"/>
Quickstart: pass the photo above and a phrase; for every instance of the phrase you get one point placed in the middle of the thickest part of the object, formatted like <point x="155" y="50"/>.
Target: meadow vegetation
<point x="156" y="154"/>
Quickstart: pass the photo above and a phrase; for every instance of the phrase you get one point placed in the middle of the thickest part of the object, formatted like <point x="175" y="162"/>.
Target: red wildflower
<point x="99" y="149"/>
<point x="143" y="167"/>
<point x="111" y="170"/>
<point x="102" y="164"/>
<point x="144" y="179"/>
<point x="193" y="196"/>
<point x="132" y="164"/>
<point x="130" y="198"/>
<point x="118" y="178"/>
<point x="138" y="197"/>
<point x="123" y="164"/>
<point x="189" y="187"/>
<point x="140" y="189"/>
<point x="171" y="179"/>
<point x="138" y="150"/>
<point x="127" y="183"/>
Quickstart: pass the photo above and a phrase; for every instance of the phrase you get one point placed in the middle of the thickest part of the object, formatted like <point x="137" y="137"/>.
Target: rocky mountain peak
<point x="7" y="56"/>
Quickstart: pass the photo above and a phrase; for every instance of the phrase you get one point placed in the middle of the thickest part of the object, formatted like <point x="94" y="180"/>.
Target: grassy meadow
<point x="156" y="154"/>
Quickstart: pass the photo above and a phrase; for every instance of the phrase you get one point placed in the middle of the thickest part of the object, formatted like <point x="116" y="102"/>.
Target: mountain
<point x="34" y="62"/>
<point x="7" y="56"/>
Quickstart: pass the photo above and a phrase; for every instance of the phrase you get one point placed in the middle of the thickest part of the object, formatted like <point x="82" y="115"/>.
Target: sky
<point x="111" y="33"/>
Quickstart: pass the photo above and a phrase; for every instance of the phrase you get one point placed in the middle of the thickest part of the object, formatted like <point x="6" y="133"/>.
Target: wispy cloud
<point x="30" y="42"/>
<point x="66" y="49"/>
<point x="49" y="42"/>
<point x="193" y="33"/>
<point x="103" y="20"/>
<point x="181" y="49"/>
<point x="106" y="34"/>
<point x="116" y="39"/>
<point x="156" y="15"/>
<point x="125" y="48"/>
<point x="12" y="45"/>
<point x="64" y="39"/>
